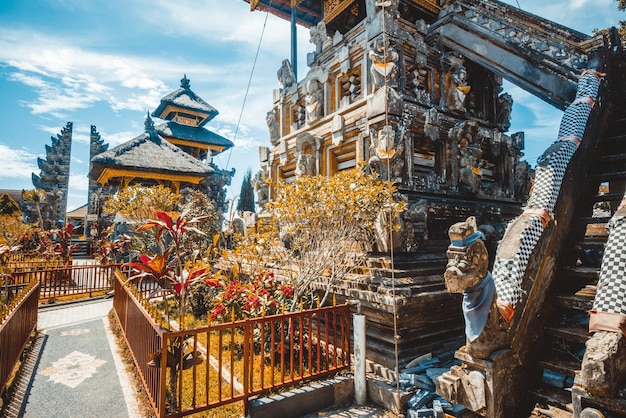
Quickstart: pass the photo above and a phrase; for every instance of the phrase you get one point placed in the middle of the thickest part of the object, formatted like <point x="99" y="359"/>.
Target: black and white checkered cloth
<point x="551" y="167"/>
<point x="611" y="293"/>
<point x="549" y="175"/>
<point x="575" y="118"/>
<point x="508" y="273"/>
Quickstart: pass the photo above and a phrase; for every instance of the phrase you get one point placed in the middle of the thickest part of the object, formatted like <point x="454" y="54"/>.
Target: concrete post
<point x="360" y="386"/>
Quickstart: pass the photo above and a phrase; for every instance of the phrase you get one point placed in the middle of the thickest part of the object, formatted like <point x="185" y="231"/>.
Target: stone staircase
<point x="82" y="249"/>
<point x="572" y="293"/>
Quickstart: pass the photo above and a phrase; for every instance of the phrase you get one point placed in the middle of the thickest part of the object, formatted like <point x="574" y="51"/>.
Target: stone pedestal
<point x="472" y="384"/>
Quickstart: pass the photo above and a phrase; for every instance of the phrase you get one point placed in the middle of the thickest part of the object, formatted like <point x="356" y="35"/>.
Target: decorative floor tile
<point x="73" y="369"/>
<point x="75" y="332"/>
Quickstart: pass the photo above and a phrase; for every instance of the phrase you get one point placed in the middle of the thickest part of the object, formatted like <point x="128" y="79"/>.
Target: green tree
<point x="8" y="206"/>
<point x="137" y="203"/>
<point x="246" y="195"/>
<point x="36" y="197"/>
<point x="326" y="225"/>
<point x="621" y="5"/>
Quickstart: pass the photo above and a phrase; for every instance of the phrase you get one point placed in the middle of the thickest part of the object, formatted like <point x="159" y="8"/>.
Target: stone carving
<point x="261" y="188"/>
<point x="417" y="79"/>
<point x="314" y="101"/>
<point x="459" y="137"/>
<point x="389" y="232"/>
<point x="299" y="115"/>
<point x="286" y="75"/>
<point x="272" y="125"/>
<point x="503" y="112"/>
<point x="305" y="164"/>
<point x="456" y="85"/>
<point x="431" y="124"/>
<point x="603" y="367"/>
<point x="470" y="174"/>
<point x="416" y="224"/>
<point x="319" y="36"/>
<point x="384" y="69"/>
<point x="386" y="151"/>
<point x="467" y="273"/>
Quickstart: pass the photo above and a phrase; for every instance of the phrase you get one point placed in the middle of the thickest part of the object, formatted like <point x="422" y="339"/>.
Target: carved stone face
<point x="386" y="142"/>
<point x="468" y="259"/>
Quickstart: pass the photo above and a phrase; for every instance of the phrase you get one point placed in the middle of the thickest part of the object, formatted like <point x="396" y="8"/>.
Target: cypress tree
<point x="246" y="195"/>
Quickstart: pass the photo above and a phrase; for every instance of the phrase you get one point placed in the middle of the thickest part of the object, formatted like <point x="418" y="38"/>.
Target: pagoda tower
<point x="186" y="115"/>
<point x="177" y="153"/>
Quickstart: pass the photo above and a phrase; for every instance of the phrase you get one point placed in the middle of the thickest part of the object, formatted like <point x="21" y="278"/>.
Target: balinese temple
<point x="177" y="153"/>
<point x="382" y="90"/>
<point x="414" y="89"/>
<point x="54" y="179"/>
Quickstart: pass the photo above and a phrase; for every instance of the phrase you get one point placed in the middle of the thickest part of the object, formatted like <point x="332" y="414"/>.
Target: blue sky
<point x="106" y="63"/>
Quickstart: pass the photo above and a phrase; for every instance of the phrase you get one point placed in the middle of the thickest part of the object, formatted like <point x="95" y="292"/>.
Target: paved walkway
<point x="78" y="373"/>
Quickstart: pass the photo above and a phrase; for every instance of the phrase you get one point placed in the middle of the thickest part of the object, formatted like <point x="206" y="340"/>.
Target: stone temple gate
<point x="414" y="89"/>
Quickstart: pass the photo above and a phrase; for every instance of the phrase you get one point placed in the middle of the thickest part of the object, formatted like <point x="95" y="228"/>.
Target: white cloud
<point x="79" y="182"/>
<point x="216" y="21"/>
<point x="17" y="163"/>
<point x="116" y="138"/>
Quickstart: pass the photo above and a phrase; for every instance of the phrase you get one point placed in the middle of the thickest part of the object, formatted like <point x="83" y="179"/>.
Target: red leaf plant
<point x="171" y="271"/>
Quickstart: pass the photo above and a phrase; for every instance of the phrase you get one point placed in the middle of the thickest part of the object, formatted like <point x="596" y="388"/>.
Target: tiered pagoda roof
<point x="186" y="114"/>
<point x="149" y="155"/>
<point x="181" y="100"/>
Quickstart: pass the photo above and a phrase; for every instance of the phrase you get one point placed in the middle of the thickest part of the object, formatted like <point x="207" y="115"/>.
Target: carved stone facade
<point x="426" y="118"/>
<point x="54" y="178"/>
<point x="384" y="92"/>
<point x="413" y="88"/>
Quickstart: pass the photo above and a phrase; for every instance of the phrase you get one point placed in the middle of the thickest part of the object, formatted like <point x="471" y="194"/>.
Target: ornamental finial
<point x="149" y="124"/>
<point x="184" y="82"/>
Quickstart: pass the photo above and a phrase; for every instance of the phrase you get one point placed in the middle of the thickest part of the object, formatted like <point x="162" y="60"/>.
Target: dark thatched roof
<point x="150" y="152"/>
<point x="184" y="98"/>
<point x="192" y="133"/>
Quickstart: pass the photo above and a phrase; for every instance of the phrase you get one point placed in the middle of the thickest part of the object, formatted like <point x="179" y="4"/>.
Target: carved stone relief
<point x="286" y="75"/>
<point x="504" y="107"/>
<point x="456" y="85"/>
<point x="386" y="153"/>
<point x="314" y="100"/>
<point x="272" y="125"/>
<point x="383" y="70"/>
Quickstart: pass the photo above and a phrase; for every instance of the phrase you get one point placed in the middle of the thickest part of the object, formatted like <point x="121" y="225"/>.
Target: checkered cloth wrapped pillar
<point x="524" y="232"/>
<point x="609" y="306"/>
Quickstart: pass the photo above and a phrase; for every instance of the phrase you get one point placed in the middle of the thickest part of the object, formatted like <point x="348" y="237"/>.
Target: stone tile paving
<point x="79" y="373"/>
<point x="354" y="411"/>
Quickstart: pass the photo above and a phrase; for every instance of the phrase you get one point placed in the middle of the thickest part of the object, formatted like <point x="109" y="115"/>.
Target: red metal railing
<point x="225" y="363"/>
<point x="18" y="319"/>
<point x="69" y="281"/>
<point x="144" y="338"/>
